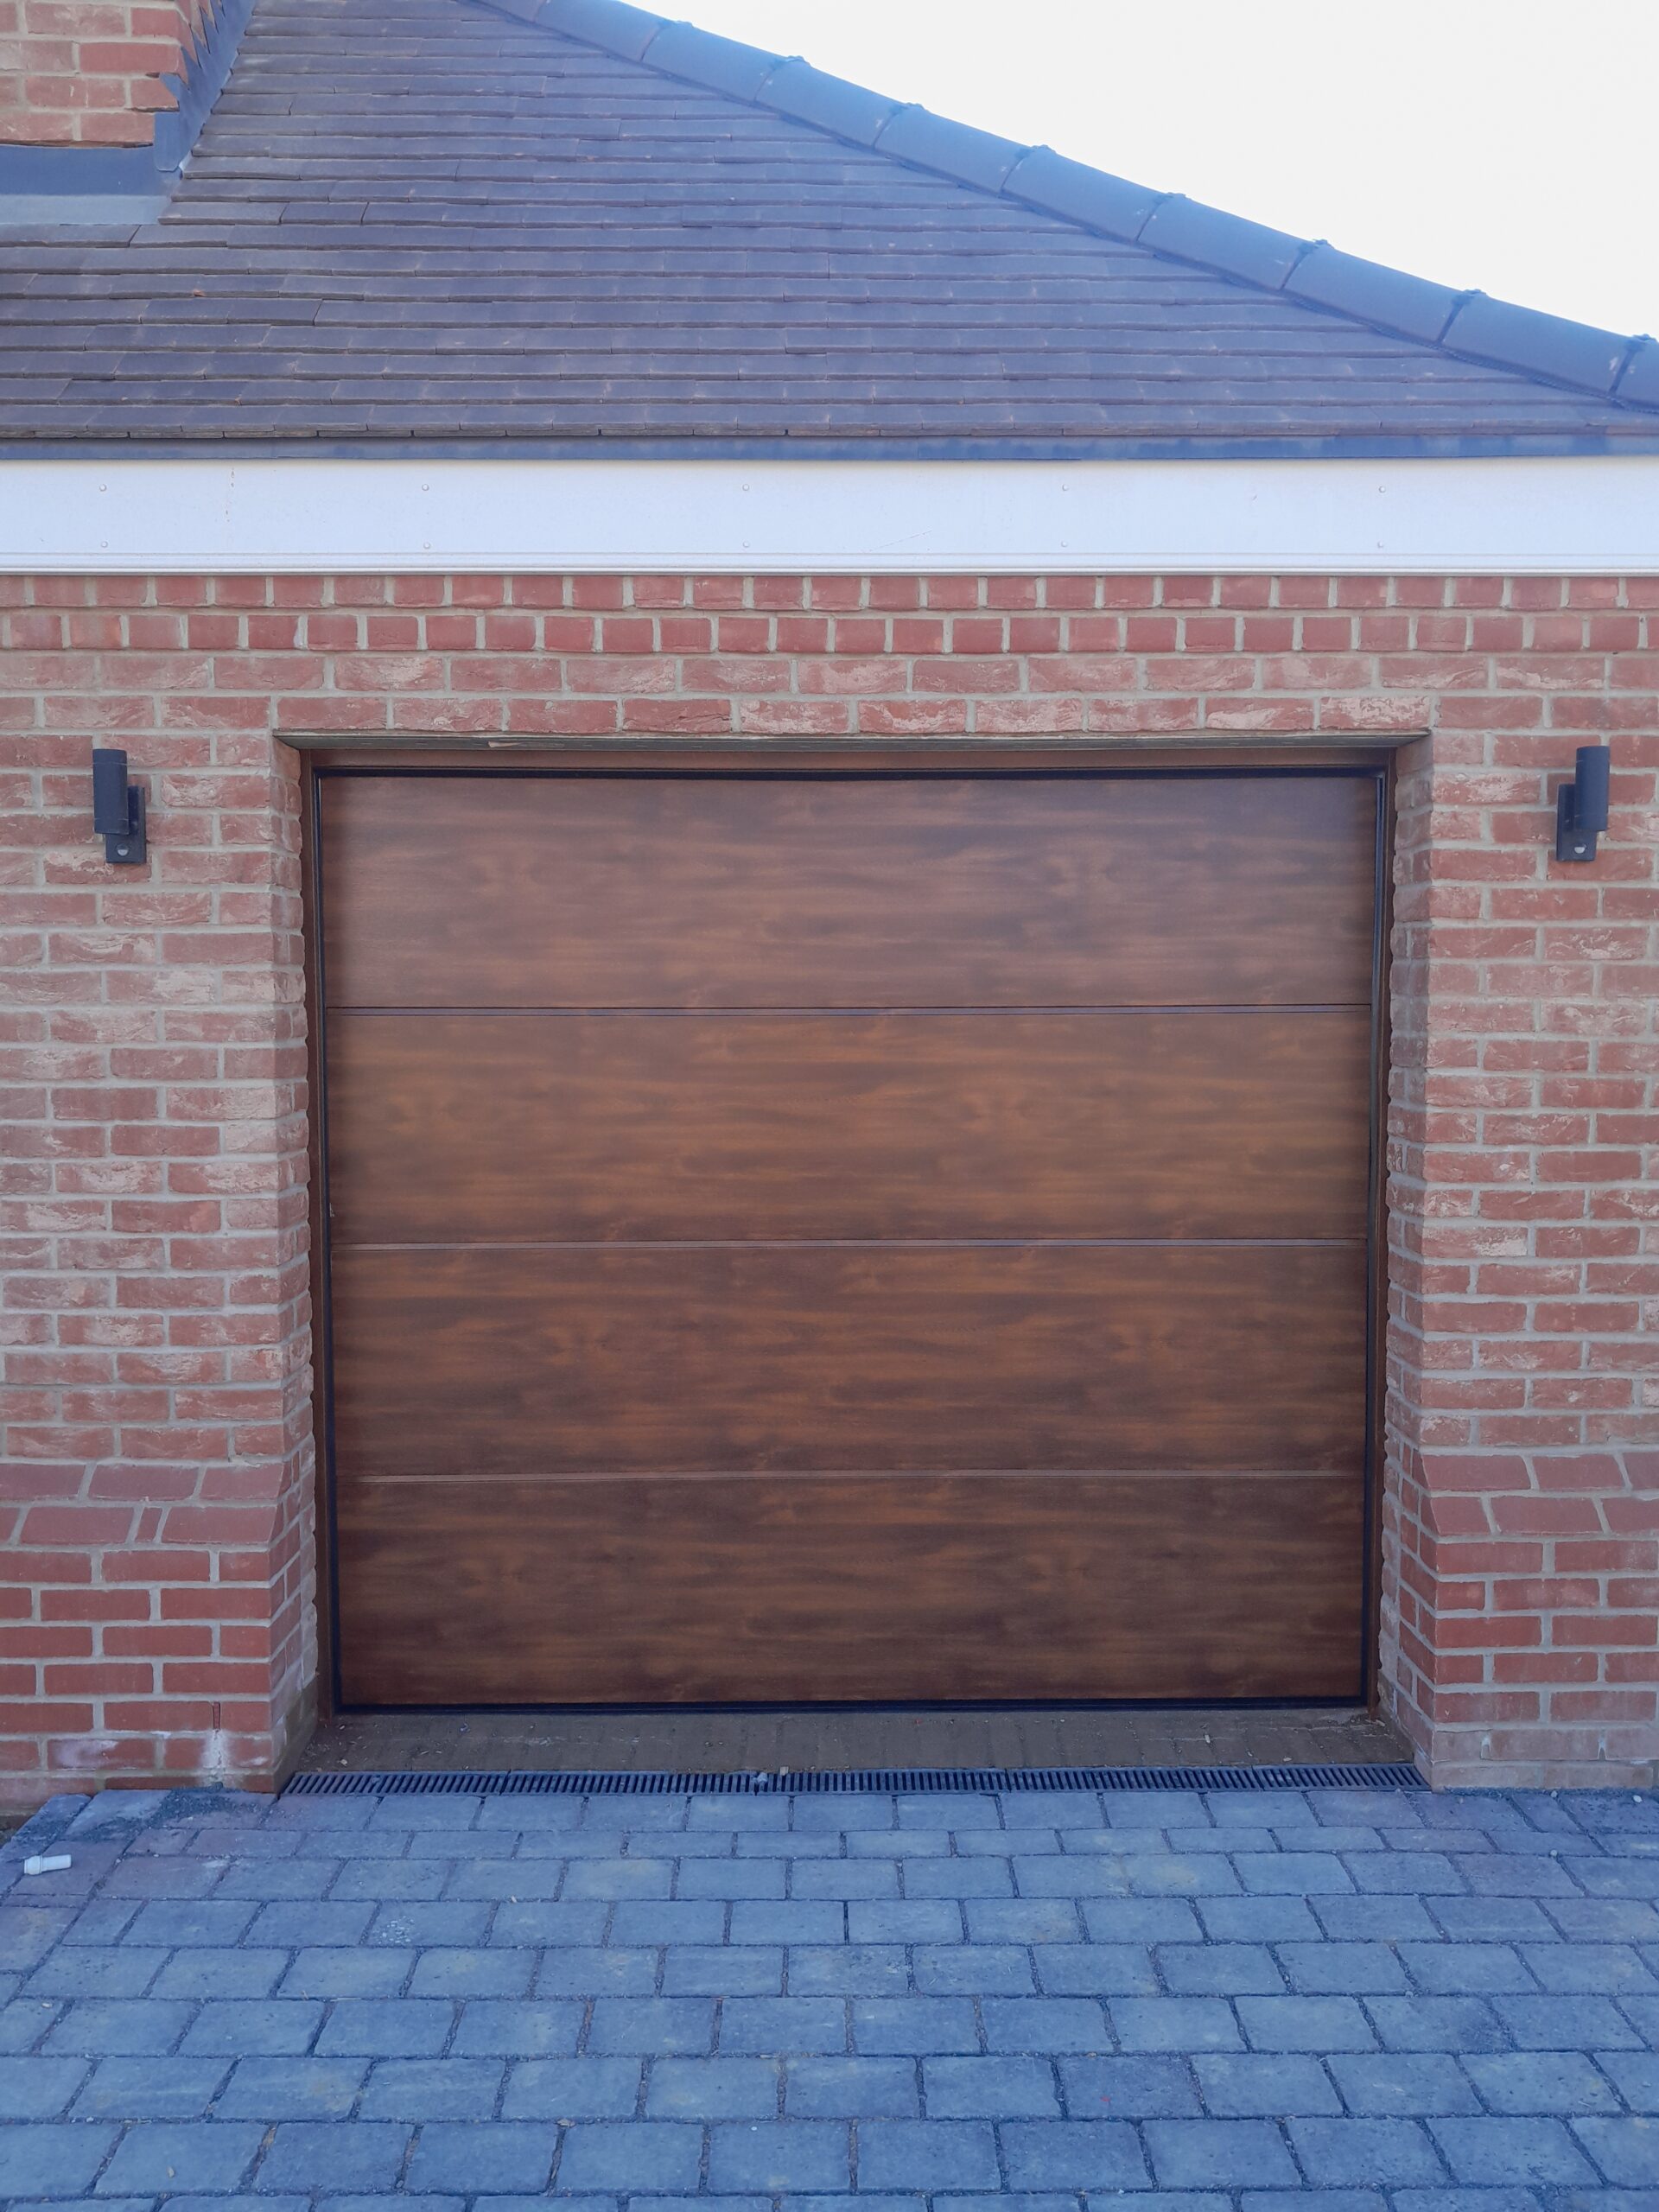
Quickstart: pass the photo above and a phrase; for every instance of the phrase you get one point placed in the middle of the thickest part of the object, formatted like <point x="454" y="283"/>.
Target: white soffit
<point x="1591" y="514"/>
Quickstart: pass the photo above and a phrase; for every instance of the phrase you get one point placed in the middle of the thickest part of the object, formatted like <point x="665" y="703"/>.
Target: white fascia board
<point x="1589" y="515"/>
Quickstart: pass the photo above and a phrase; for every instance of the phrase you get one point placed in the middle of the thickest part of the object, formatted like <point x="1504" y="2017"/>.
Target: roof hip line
<point x="1467" y="324"/>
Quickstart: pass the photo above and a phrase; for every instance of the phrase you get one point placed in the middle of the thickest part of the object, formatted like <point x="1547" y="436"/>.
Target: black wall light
<point x="1581" y="805"/>
<point x="117" y="809"/>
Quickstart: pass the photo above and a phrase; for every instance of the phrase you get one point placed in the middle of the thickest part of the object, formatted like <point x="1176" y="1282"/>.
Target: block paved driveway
<point x="1352" y="1999"/>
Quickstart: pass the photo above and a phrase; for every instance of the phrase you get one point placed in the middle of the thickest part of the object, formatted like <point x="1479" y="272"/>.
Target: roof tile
<point x="1547" y="344"/>
<point x="797" y="89"/>
<point x="1194" y="232"/>
<point x="1372" y="293"/>
<point x="1042" y="178"/>
<point x="976" y="157"/>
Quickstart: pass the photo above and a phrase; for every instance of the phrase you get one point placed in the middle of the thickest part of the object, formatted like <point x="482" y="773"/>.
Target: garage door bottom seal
<point x="911" y="1782"/>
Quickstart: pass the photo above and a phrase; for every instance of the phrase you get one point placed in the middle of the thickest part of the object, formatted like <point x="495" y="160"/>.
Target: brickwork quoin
<point x="157" y="1499"/>
<point x="90" y="72"/>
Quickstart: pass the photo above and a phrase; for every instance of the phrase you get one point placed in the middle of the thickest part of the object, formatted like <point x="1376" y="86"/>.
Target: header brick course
<point x="156" y="1500"/>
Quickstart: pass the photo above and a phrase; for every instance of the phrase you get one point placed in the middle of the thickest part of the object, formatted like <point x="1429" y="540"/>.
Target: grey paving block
<point x="1466" y="1970"/>
<point x="406" y="1925"/>
<point x="912" y="2026"/>
<point x="1455" y="2024"/>
<point x="1410" y="2085"/>
<point x="52" y="2158"/>
<point x="288" y="1926"/>
<point x="578" y="1972"/>
<point x="172" y="1924"/>
<point x="1635" y="2075"/>
<point x="517" y="1924"/>
<point x="489" y="2158"/>
<point x="973" y="1969"/>
<point x="713" y="2088"/>
<point x="927" y="2155"/>
<point x="651" y="2027"/>
<point x="1527" y="2082"/>
<point x="28" y="1932"/>
<point x="433" y="2088"/>
<point x="1260" y="1920"/>
<point x="94" y="1970"/>
<point x="1000" y="2087"/>
<point x="843" y="1877"/>
<point x="390" y="2027"/>
<point x="1045" y="2025"/>
<point x="275" y="2027"/>
<point x="222" y="1973"/>
<point x="472" y="1974"/>
<point x="743" y="1970"/>
<point x="1188" y="2024"/>
<point x="1019" y="1920"/>
<point x="1098" y="1969"/>
<point x="1252" y="2084"/>
<point x="765" y="2027"/>
<point x="764" y="1920"/>
<point x="40" y="2089"/>
<point x="1557" y="2022"/>
<point x="1366" y="2153"/>
<point x="501" y="2028"/>
<point x="117" y="2027"/>
<point x="1218" y="2154"/>
<point x="1592" y="1969"/>
<point x="177" y="2157"/>
<point x="1292" y="1873"/>
<point x="919" y="1920"/>
<point x="1219" y="1970"/>
<point x="850" y="1970"/>
<point x="1145" y="1920"/>
<point x="575" y="2088"/>
<point x="966" y="1878"/>
<point x="851" y="2089"/>
<point x="1309" y="2024"/>
<point x="641" y="1921"/>
<point x="1485" y="2152"/>
<point x="1075" y="2154"/>
<point x="774" y="2157"/>
<point x="622" y="1878"/>
<point x="1126" y="2089"/>
<point x="633" y="2157"/>
<point x="1074" y="1874"/>
<point x="271" y="2089"/>
<point x="376" y="1880"/>
<point x="142" y="2089"/>
<point x="1626" y="2150"/>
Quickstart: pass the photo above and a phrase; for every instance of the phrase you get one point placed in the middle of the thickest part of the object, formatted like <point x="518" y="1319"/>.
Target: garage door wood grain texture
<point x="844" y="1237"/>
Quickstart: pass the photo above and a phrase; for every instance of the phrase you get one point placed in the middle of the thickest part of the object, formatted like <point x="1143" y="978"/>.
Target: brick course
<point x="155" y="1499"/>
<point x="88" y="73"/>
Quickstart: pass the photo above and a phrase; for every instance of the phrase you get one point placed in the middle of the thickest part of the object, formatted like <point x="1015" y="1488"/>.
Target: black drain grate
<point x="881" y="1781"/>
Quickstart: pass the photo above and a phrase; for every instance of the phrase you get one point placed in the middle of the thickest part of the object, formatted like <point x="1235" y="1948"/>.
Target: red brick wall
<point x="157" y="1491"/>
<point x="87" y="72"/>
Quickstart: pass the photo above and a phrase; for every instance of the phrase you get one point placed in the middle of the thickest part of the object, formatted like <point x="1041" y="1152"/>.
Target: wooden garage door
<point x="842" y="1237"/>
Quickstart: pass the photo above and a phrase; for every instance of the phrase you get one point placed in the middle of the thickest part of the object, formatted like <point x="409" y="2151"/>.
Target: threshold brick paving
<point x="1349" y="2002"/>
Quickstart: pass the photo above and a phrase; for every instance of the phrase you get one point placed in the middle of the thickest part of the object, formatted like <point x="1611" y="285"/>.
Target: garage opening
<point x="821" y="1236"/>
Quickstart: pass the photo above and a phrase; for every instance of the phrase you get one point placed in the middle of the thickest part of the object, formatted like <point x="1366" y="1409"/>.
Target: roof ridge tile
<point x="1552" y="348"/>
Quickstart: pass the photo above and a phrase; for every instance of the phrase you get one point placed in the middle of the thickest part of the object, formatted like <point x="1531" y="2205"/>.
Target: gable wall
<point x="155" y="1509"/>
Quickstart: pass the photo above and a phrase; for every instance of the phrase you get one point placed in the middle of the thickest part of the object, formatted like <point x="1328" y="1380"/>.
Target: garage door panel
<point x="521" y="1128"/>
<point x="562" y="1358"/>
<point x="778" y="892"/>
<point x="812" y="1589"/>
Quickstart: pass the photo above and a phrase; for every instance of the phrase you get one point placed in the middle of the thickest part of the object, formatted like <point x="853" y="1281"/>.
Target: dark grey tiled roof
<point x="566" y="220"/>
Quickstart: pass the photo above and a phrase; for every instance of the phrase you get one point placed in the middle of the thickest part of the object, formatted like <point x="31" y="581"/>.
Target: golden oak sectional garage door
<point x="848" y="1236"/>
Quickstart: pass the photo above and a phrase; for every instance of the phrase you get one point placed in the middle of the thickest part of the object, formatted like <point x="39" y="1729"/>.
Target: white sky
<point x="1507" y="144"/>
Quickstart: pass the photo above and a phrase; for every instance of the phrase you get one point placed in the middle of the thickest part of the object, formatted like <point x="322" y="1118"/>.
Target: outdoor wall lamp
<point x="1581" y="805"/>
<point x="117" y="809"/>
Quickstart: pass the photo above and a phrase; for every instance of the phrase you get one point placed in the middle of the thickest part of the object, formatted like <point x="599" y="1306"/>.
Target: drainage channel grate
<point x="910" y="1781"/>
